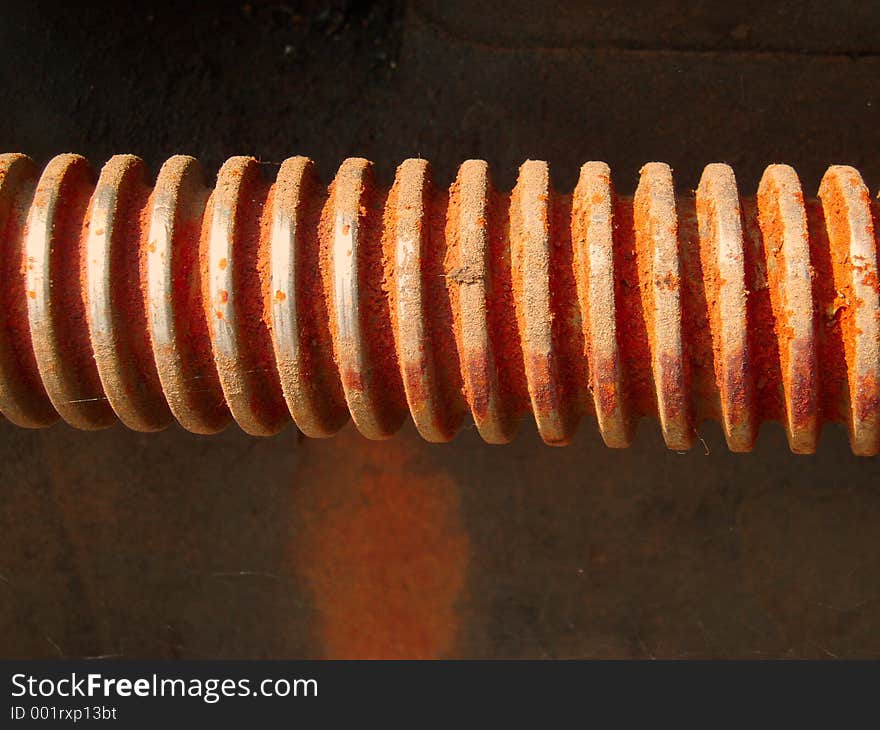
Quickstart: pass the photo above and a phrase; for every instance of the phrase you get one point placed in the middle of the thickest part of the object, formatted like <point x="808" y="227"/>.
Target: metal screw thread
<point x="263" y="301"/>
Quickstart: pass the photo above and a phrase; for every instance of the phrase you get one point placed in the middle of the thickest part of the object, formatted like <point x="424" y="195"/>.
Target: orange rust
<point x="509" y="324"/>
<point x="478" y="274"/>
<point x="866" y="390"/>
<point x="608" y="393"/>
<point x="762" y="332"/>
<point x="183" y="351"/>
<point x="835" y="304"/>
<point x="567" y="331"/>
<point x="503" y="329"/>
<point x="21" y="390"/>
<point x="248" y="279"/>
<point x="782" y="218"/>
<point x="318" y="376"/>
<point x="632" y="320"/>
<point x="382" y="537"/>
<point x="849" y="328"/>
<point x="716" y="313"/>
<point x="697" y="279"/>
<point x="67" y="262"/>
<point x="136" y="370"/>
<point x="595" y="268"/>
<point x="414" y="276"/>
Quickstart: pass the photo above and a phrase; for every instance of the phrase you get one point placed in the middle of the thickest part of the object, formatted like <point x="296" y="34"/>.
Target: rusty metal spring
<point x="263" y="301"/>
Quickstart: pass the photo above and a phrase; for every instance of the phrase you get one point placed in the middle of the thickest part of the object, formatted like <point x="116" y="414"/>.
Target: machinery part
<point x="259" y="301"/>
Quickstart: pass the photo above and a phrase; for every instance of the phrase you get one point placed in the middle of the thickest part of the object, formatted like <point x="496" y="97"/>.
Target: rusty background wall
<point x="173" y="545"/>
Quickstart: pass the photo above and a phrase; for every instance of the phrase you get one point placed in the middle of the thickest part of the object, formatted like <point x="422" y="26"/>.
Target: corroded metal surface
<point x="265" y="301"/>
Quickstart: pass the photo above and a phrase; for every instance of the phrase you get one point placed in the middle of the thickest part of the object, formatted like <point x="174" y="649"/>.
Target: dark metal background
<point x="173" y="545"/>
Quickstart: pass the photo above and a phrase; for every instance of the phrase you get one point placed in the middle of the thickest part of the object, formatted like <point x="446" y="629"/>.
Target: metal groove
<point x="265" y="301"/>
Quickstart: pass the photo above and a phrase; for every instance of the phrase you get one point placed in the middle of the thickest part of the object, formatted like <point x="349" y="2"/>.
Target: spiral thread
<point x="264" y="301"/>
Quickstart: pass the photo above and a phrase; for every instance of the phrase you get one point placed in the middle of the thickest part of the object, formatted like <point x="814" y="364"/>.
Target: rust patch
<point x="383" y="551"/>
<point x="608" y="395"/>
<point x="475" y="366"/>
<point x="867" y="397"/>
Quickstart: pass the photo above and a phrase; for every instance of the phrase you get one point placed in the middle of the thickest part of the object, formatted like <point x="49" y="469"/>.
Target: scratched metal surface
<point x="173" y="545"/>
